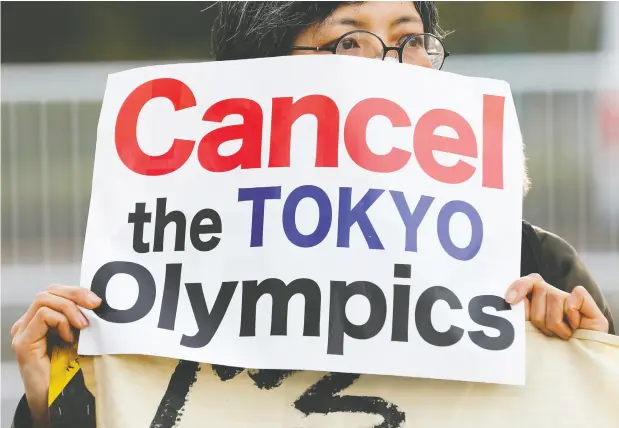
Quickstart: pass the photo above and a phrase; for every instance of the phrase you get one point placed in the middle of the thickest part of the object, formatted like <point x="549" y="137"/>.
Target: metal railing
<point x="49" y="122"/>
<point x="49" y="128"/>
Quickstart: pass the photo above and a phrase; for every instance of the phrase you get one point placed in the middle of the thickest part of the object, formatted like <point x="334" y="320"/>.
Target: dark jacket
<point x="542" y="252"/>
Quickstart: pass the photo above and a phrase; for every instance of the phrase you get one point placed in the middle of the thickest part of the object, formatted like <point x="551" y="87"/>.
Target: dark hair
<point x="259" y="29"/>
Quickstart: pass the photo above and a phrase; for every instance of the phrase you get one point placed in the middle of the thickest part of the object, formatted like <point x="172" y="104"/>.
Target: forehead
<point x="375" y="14"/>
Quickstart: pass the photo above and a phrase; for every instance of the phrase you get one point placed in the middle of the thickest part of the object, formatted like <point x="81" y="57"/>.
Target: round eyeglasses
<point x="418" y="49"/>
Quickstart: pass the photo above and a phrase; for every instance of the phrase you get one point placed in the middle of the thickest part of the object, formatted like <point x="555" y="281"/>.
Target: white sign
<point x="308" y="213"/>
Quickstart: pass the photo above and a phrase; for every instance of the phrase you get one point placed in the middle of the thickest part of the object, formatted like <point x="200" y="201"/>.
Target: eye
<point x="412" y="41"/>
<point x="348" y="43"/>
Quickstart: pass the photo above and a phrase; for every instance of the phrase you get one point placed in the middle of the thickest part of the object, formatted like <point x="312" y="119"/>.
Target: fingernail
<point x="511" y="296"/>
<point x="82" y="320"/>
<point x="94" y="299"/>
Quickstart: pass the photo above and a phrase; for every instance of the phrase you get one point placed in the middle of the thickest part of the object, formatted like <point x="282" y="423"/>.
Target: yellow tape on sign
<point x="64" y="366"/>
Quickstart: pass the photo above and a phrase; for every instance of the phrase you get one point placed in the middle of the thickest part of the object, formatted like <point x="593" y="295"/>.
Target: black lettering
<point x="402" y="271"/>
<point x="401" y="308"/>
<point x="198" y="229"/>
<point x="324" y="397"/>
<point x="269" y="379"/>
<point x="169" y="302"/>
<point x="263" y="379"/>
<point x="162" y="219"/>
<point x="280" y="295"/>
<point x="339" y="323"/>
<point x="401" y="304"/>
<point x="208" y="323"/>
<point x="225" y="373"/>
<point x="170" y="409"/>
<point x="423" y="317"/>
<point x="506" y="330"/>
<point x="139" y="218"/>
<point x="146" y="291"/>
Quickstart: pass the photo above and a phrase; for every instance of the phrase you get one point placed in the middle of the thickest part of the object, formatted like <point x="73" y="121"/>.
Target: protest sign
<point x="569" y="384"/>
<point x="308" y="213"/>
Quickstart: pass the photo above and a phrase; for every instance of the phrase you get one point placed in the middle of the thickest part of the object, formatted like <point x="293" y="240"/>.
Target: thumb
<point x="527" y="309"/>
<point x="572" y="311"/>
<point x="582" y="311"/>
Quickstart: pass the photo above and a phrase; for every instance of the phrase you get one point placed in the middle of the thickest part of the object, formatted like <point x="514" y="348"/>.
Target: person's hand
<point x="55" y="310"/>
<point x="553" y="311"/>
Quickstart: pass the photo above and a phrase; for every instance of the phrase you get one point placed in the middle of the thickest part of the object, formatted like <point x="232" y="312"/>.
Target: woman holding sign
<point x="558" y="291"/>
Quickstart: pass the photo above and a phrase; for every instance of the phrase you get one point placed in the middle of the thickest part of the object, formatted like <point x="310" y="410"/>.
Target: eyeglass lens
<point x="424" y="50"/>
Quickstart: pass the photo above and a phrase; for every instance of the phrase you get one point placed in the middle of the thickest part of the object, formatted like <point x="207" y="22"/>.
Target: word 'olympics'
<point x="339" y="326"/>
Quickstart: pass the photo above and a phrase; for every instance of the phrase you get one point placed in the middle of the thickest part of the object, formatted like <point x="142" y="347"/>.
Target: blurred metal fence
<point x="50" y="114"/>
<point x="49" y="127"/>
<point x="49" y="122"/>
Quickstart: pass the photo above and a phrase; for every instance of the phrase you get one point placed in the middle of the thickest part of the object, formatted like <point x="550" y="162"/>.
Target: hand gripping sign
<point x="308" y="213"/>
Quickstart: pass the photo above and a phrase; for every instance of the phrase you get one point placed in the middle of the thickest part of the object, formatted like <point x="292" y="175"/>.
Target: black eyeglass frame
<point x="386" y="49"/>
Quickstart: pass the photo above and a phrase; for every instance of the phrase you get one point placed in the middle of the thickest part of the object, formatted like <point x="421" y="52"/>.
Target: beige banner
<point x="571" y="383"/>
